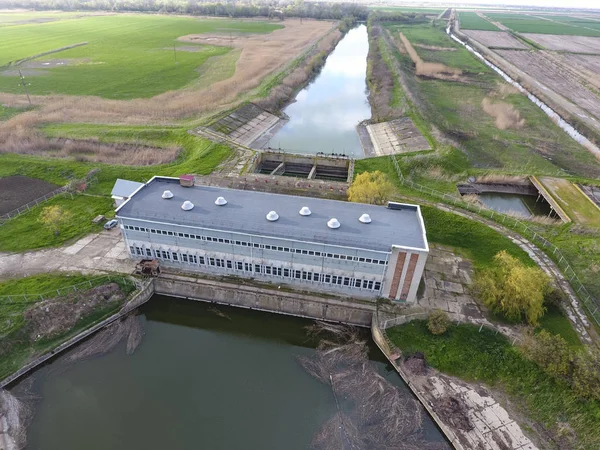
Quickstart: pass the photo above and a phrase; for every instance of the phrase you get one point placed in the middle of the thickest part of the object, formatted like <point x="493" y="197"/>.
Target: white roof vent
<point x="333" y="223"/>
<point x="167" y="194"/>
<point x="187" y="205"/>
<point x="272" y="216"/>
<point x="365" y="218"/>
<point x="305" y="211"/>
<point x="220" y="201"/>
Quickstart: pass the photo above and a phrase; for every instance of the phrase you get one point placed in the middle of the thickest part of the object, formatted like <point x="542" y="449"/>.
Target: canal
<point x="324" y="115"/>
<point x="201" y="378"/>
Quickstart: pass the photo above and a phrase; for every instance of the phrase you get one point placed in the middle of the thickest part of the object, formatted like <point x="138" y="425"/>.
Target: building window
<point x="361" y="259"/>
<point x="365" y="283"/>
<point x="370" y="285"/>
<point x="336" y="256"/>
<point x="377" y="285"/>
<point x="148" y="252"/>
<point x="257" y="268"/>
<point x="382" y="262"/>
<point x="268" y="270"/>
<point x="286" y="272"/>
<point x="175" y="258"/>
<point x="239" y="266"/>
<point x="317" y="277"/>
<point x="357" y="283"/>
<point x="297" y="274"/>
<point x="277" y="271"/>
<point x="327" y="278"/>
<point x="317" y="253"/>
<point x="195" y="260"/>
<point x="184" y="257"/>
<point x="229" y="264"/>
<point x="346" y="281"/>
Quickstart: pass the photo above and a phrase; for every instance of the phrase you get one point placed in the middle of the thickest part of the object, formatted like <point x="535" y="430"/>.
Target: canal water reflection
<point x="522" y="205"/>
<point x="325" y="114"/>
<point x="201" y="379"/>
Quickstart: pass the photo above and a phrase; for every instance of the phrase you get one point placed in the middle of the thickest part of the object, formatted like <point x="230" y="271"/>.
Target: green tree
<point x="549" y="351"/>
<point x="512" y="289"/>
<point x="54" y="217"/>
<point x="371" y="187"/>
<point x="438" y="322"/>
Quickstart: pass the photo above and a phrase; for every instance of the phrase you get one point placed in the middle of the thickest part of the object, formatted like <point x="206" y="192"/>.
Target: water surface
<point x="325" y="114"/>
<point x="197" y="381"/>
<point x="523" y="205"/>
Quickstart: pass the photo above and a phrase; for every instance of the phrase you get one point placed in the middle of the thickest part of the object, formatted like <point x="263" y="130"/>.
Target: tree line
<point x="267" y="8"/>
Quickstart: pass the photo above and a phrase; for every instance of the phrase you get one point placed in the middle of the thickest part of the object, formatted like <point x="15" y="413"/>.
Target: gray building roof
<point x="124" y="188"/>
<point x="245" y="212"/>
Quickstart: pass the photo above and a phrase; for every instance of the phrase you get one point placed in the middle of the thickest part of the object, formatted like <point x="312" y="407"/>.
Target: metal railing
<point x="23" y="209"/>
<point x="591" y="303"/>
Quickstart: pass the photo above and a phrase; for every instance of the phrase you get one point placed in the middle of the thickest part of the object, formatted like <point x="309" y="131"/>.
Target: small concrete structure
<point x="397" y="136"/>
<point x="123" y="189"/>
<point x="316" y="167"/>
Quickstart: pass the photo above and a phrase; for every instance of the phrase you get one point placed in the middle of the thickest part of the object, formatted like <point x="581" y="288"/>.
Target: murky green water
<point x="197" y="381"/>
<point x="523" y="205"/>
<point x="325" y="114"/>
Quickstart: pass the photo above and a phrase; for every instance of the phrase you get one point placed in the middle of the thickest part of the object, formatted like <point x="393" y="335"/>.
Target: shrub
<point x="438" y="322"/>
<point x="550" y="352"/>
<point x="512" y="289"/>
<point x="371" y="187"/>
<point x="586" y="375"/>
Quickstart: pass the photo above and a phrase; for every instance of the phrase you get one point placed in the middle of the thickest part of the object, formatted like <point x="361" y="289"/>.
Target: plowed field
<point x="577" y="44"/>
<point x="499" y="39"/>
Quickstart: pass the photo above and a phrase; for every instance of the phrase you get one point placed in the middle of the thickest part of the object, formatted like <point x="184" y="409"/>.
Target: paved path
<point x="96" y="253"/>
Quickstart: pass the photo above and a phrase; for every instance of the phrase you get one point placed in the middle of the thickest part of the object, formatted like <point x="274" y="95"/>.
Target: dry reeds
<point x="15" y="415"/>
<point x="505" y="114"/>
<point x="261" y="56"/>
<point x="429" y="69"/>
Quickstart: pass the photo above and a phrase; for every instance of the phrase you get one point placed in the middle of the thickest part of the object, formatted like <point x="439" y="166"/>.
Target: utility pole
<point x="24" y="86"/>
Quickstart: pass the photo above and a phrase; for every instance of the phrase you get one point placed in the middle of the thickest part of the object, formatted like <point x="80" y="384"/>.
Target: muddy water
<point x="324" y="116"/>
<point x="522" y="205"/>
<point x="567" y="127"/>
<point x="201" y="379"/>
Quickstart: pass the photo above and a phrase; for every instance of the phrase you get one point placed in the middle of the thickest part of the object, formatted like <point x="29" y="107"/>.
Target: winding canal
<point x="201" y="378"/>
<point x="324" y="115"/>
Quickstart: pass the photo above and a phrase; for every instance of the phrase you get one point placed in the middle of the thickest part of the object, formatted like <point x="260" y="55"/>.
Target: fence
<point x="29" y="298"/>
<point x="591" y="303"/>
<point x="17" y="212"/>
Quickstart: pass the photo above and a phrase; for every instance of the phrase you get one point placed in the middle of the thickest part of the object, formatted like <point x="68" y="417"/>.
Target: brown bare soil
<point x="261" y="55"/>
<point x="558" y="42"/>
<point x="558" y="78"/>
<point x="17" y="191"/>
<point x="588" y="66"/>
<point x="55" y="316"/>
<point x="491" y="39"/>
<point x="428" y="69"/>
<point x="505" y="114"/>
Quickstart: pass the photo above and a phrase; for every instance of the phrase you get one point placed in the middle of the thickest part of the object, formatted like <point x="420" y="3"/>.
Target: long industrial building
<point x="313" y="244"/>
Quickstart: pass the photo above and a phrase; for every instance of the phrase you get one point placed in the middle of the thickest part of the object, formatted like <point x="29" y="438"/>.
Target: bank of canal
<point x="201" y="378"/>
<point x="324" y="115"/>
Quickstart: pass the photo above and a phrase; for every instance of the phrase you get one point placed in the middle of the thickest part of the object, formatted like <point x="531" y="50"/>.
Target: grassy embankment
<point x="146" y="66"/>
<point x="16" y="345"/>
<point x="523" y="23"/>
<point x="492" y="360"/>
<point x="471" y="21"/>
<point x="454" y="108"/>
<point x="26" y="232"/>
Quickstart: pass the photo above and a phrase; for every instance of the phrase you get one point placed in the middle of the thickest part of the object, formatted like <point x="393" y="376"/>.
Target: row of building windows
<point x="255" y="245"/>
<point x="263" y="269"/>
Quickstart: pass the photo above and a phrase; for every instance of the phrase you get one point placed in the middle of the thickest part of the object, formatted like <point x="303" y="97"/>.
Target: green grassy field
<point x="16" y="346"/>
<point x="408" y="9"/>
<point x="199" y="156"/>
<point x="471" y="21"/>
<point x="126" y="56"/>
<point x="524" y="23"/>
<point x="455" y="107"/>
<point x="492" y="360"/>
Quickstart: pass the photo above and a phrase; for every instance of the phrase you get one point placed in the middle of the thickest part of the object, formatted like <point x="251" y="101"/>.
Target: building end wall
<point x="403" y="274"/>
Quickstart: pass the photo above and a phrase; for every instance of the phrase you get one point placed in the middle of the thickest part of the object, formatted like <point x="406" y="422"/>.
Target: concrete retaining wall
<point x="502" y="188"/>
<point x="354" y="312"/>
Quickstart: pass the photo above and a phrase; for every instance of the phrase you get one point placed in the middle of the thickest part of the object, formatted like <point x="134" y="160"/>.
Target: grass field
<point x="492" y="360"/>
<point x="125" y="57"/>
<point x="16" y="346"/>
<point x="524" y="23"/>
<point x="455" y="108"/>
<point x="471" y="21"/>
<point x="199" y="156"/>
